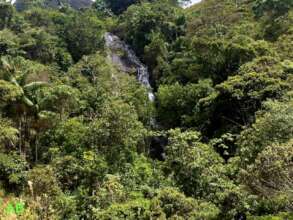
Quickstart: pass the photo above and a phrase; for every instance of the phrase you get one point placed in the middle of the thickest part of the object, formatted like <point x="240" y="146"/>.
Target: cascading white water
<point x="190" y="3"/>
<point x="115" y="44"/>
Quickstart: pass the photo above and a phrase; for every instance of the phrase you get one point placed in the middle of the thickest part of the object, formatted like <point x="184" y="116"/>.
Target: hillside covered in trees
<point x="143" y="110"/>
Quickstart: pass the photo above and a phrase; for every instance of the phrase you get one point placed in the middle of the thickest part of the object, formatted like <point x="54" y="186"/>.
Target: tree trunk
<point x="36" y="148"/>
<point x="20" y="134"/>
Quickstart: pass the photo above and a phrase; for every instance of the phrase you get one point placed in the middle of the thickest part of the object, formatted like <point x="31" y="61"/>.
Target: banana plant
<point x="25" y="106"/>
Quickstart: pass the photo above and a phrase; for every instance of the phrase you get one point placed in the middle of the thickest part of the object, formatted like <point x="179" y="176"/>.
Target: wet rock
<point x="157" y="147"/>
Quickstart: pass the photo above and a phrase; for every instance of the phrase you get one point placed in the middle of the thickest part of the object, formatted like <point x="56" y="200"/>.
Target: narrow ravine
<point x="128" y="60"/>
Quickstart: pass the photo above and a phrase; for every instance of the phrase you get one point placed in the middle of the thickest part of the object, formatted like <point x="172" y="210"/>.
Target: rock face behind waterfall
<point x="126" y="60"/>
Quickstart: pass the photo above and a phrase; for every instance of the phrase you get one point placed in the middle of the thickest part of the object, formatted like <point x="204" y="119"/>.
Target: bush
<point x="13" y="169"/>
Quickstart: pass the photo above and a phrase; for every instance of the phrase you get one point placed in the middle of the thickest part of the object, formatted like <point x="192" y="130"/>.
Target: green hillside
<point x="143" y="110"/>
<point x="76" y="4"/>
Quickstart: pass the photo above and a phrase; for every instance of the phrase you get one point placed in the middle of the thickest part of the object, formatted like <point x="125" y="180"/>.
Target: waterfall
<point x="190" y="3"/>
<point x="128" y="61"/>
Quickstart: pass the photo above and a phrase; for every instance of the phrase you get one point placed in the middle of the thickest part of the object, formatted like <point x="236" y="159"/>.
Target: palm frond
<point x="35" y="85"/>
<point x="27" y="101"/>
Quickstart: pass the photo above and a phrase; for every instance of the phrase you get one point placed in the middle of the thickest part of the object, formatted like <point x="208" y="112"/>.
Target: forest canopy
<point x="141" y="110"/>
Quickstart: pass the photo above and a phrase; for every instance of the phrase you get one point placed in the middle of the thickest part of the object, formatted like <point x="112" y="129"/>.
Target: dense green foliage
<point x="79" y="138"/>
